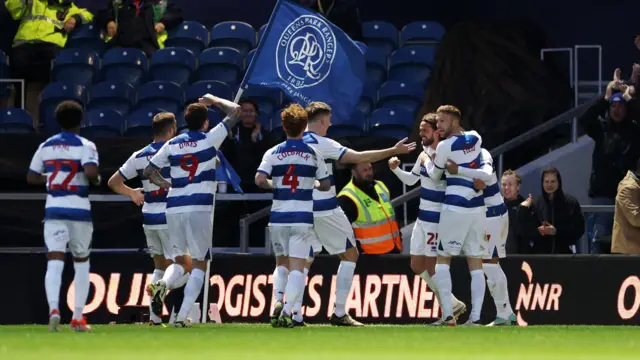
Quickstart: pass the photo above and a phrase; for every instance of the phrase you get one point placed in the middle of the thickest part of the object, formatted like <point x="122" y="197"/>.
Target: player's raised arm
<point x="117" y="185"/>
<point x="355" y="157"/>
<point x="231" y="109"/>
<point x="408" y="178"/>
<point x="158" y="161"/>
<point x="435" y="168"/>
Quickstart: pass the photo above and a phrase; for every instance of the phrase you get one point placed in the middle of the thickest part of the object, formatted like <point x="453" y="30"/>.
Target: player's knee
<point x="80" y="259"/>
<point x="417" y="266"/>
<point x="494" y="260"/>
<point x="55" y="255"/>
<point x="350" y="255"/>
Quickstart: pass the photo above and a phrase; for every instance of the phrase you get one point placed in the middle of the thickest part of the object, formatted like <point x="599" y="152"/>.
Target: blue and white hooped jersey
<point x="493" y="199"/>
<point x="293" y="166"/>
<point x="192" y="157"/>
<point x="155" y="197"/>
<point x="431" y="191"/>
<point x="325" y="202"/>
<point x="465" y="150"/>
<point x="61" y="159"/>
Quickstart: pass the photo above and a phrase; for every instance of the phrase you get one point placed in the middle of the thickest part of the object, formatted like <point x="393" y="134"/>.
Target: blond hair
<point x="317" y="108"/>
<point x="510" y="172"/>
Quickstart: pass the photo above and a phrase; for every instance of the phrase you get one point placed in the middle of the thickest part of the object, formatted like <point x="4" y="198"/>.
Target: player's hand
<point x="527" y="202"/>
<point x="159" y="27"/>
<point x="208" y="100"/>
<point x="137" y="196"/>
<point x="112" y="28"/>
<point x="70" y="24"/>
<point x="402" y="148"/>
<point x="479" y="184"/>
<point x="452" y="167"/>
<point x="393" y="163"/>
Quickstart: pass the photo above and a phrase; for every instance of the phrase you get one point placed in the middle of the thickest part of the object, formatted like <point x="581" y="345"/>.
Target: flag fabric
<point x="225" y="172"/>
<point x="309" y="59"/>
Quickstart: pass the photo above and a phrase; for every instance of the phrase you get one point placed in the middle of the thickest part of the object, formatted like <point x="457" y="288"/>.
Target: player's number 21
<point x="57" y="165"/>
<point x="290" y="178"/>
<point x="189" y="163"/>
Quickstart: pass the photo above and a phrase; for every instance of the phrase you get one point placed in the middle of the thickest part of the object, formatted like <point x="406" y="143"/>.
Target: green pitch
<point x="216" y="342"/>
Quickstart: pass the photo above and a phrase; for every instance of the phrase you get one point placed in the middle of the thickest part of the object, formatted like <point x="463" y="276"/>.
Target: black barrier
<point x="603" y="290"/>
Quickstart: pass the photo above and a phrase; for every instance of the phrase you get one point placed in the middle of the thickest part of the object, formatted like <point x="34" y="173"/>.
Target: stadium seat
<point x="217" y="88"/>
<point x="102" y="123"/>
<point x="222" y="64"/>
<point x="51" y="96"/>
<point x="368" y="98"/>
<point x="421" y="32"/>
<point x="15" y="121"/>
<point x="76" y="66"/>
<point x="215" y="117"/>
<point x="268" y="99"/>
<point x="396" y="94"/>
<point x="190" y="35"/>
<point x="353" y="126"/>
<point x="380" y="35"/>
<point x="247" y="60"/>
<point x="376" y="66"/>
<point x="412" y="64"/>
<point x="5" y="73"/>
<point x="87" y="37"/>
<point x="396" y="123"/>
<point x="234" y="34"/>
<point x="160" y="95"/>
<point x="172" y="64"/>
<point x="362" y="46"/>
<point x="125" y="65"/>
<point x="267" y="120"/>
<point x="139" y="122"/>
<point x="117" y="96"/>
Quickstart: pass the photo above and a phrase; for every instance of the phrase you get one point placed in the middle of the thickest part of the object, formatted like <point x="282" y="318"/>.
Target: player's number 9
<point x="57" y="165"/>
<point x="290" y="178"/>
<point x="189" y="163"/>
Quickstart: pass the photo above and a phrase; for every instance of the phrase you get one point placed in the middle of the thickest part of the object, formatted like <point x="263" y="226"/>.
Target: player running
<point x="66" y="163"/>
<point x="293" y="166"/>
<point x="424" y="238"/>
<point x="153" y="200"/>
<point x="462" y="219"/>
<point x="192" y="157"/>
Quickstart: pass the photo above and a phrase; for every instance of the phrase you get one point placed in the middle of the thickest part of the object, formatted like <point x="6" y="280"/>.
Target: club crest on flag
<point x="306" y="50"/>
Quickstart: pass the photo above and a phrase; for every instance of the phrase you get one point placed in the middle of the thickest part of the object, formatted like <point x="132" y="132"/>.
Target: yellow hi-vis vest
<point x="375" y="228"/>
<point x="40" y="22"/>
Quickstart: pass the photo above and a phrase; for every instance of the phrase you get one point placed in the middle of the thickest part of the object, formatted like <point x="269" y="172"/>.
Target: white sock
<point x="52" y="282"/>
<point x="172" y="275"/>
<point x="431" y="283"/>
<point x="81" y="281"/>
<point x="191" y="293"/>
<point x="297" y="307"/>
<point x="280" y="275"/>
<point x="443" y="281"/>
<point x="157" y="275"/>
<point x="294" y="289"/>
<point x="343" y="286"/>
<point x="477" y="294"/>
<point x="180" y="282"/>
<point x="497" y="284"/>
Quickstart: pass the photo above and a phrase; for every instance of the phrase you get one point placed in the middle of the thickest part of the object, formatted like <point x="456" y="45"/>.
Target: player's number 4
<point x="290" y="178"/>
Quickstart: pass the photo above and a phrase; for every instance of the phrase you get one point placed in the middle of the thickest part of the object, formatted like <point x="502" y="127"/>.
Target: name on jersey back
<point x="301" y="154"/>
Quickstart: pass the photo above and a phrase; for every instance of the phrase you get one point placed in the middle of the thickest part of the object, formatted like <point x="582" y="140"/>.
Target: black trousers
<point x="32" y="62"/>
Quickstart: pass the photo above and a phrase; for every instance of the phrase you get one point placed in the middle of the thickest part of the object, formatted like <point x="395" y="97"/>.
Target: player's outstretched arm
<point x="153" y="174"/>
<point x="117" y="185"/>
<point x="406" y="177"/>
<point x="262" y="181"/>
<point x="231" y="109"/>
<point x="355" y="157"/>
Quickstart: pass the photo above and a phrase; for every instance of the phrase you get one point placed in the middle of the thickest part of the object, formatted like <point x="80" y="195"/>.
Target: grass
<point x="238" y="341"/>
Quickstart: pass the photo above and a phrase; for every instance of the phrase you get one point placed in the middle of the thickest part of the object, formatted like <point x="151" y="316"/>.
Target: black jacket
<point x="563" y="212"/>
<point x="516" y="242"/>
<point x="245" y="155"/>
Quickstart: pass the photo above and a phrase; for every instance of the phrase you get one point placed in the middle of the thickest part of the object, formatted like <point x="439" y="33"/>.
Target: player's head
<point x="294" y="121"/>
<point x="362" y="172"/>
<point x="449" y="118"/>
<point x="429" y="130"/>
<point x="196" y="116"/>
<point x="69" y="115"/>
<point x="510" y="184"/>
<point x="250" y="111"/>
<point x="319" y="114"/>
<point x="164" y="125"/>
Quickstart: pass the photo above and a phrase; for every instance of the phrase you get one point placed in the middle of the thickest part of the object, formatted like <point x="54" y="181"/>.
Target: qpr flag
<point x="309" y="59"/>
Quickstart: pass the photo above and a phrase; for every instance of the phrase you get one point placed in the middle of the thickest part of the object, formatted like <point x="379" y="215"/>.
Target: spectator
<point x="42" y="33"/>
<point x="343" y="13"/>
<point x="510" y="182"/>
<point x="367" y="204"/>
<point x="617" y="146"/>
<point x="626" y="224"/>
<point x="554" y="222"/>
<point x="139" y="24"/>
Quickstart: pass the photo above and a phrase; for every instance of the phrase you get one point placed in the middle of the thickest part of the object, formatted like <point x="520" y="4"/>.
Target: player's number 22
<point x="57" y="165"/>
<point x="290" y="178"/>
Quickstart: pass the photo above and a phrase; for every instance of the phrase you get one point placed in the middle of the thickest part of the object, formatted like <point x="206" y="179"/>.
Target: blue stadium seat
<point x="217" y="88"/>
<point x="102" y="123"/>
<point x="353" y="126"/>
<point x="76" y="66"/>
<point x="215" y="117"/>
<point x="421" y="32"/>
<point x="234" y="34"/>
<point x="396" y="94"/>
<point x="190" y="35"/>
<point x="268" y="99"/>
<point x="222" y="64"/>
<point x="396" y="123"/>
<point x="362" y="46"/>
<point x="51" y="96"/>
<point x="5" y="73"/>
<point x="15" y="121"/>
<point x="261" y="33"/>
<point x="267" y="120"/>
<point x="181" y="123"/>
<point x="139" y="122"/>
<point x="412" y="63"/>
<point x="376" y="66"/>
<point x="160" y="95"/>
<point x="172" y="64"/>
<point x="110" y="95"/>
<point x="368" y="98"/>
<point x="125" y="65"/>
<point x="380" y="35"/>
<point x="87" y="37"/>
<point x="248" y="59"/>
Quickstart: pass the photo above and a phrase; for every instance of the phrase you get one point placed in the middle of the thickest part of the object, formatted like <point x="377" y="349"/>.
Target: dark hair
<point x="162" y="122"/>
<point x="250" y="101"/>
<point x="551" y="171"/>
<point x="196" y="115"/>
<point x="316" y="108"/>
<point x="431" y="119"/>
<point x="294" y="120"/>
<point x="69" y="114"/>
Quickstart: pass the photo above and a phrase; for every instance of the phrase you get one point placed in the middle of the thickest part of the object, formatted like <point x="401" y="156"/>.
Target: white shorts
<point x="497" y="231"/>
<point x="334" y="232"/>
<point x="424" y="239"/>
<point x="76" y="234"/>
<point x="292" y="241"/>
<point x="190" y="233"/>
<point x="461" y="232"/>
<point x="158" y="241"/>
